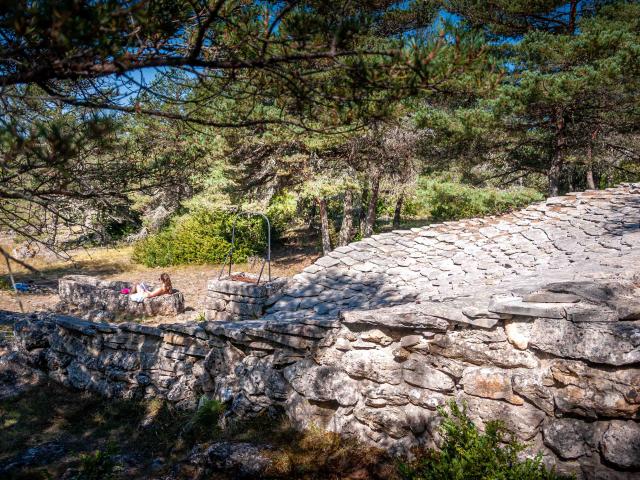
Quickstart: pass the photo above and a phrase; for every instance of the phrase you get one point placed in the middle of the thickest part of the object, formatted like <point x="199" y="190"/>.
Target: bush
<point x="209" y="412"/>
<point x="282" y="213"/>
<point x="203" y="425"/>
<point x="5" y="283"/>
<point x="468" y="454"/>
<point x="453" y="201"/>
<point x="202" y="237"/>
<point x="98" y="465"/>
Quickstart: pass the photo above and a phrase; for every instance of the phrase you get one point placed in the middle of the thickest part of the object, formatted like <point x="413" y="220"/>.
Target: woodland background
<point x="152" y="122"/>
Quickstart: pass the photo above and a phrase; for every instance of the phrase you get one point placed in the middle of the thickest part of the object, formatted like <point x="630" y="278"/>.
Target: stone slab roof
<point x="585" y="235"/>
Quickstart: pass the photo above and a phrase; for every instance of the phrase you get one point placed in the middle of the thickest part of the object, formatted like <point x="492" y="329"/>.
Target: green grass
<point x="6" y="332"/>
<point x="98" y="465"/>
<point x="5" y="283"/>
<point x="88" y="424"/>
<point x="96" y="429"/>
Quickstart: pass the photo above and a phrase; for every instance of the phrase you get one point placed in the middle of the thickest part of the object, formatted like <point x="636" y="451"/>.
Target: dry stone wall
<point x="97" y="299"/>
<point x="537" y="329"/>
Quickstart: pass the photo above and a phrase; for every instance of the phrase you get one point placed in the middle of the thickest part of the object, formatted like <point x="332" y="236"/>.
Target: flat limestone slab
<point x="517" y="306"/>
<point x="427" y="315"/>
<point x="232" y="287"/>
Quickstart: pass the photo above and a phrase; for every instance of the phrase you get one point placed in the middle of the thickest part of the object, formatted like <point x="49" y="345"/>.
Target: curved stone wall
<point x="532" y="318"/>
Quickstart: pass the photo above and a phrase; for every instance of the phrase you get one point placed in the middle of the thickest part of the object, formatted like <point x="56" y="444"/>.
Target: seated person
<point x="141" y="291"/>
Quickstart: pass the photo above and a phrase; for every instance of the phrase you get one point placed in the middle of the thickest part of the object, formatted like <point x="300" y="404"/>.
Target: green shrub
<point x="202" y="237"/>
<point x="453" y="201"/>
<point x="412" y="206"/>
<point x="468" y="454"/>
<point x="98" y="465"/>
<point x="203" y="424"/>
<point x="5" y="284"/>
<point x="282" y="213"/>
<point x="209" y="412"/>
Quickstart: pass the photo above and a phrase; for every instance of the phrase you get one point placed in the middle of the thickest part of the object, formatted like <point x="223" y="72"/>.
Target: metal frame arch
<point x="229" y="256"/>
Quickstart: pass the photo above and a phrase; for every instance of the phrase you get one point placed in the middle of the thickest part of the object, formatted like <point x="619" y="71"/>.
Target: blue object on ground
<point x="22" y="287"/>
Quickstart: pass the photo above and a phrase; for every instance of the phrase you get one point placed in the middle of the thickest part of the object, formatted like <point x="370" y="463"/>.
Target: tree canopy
<point x="66" y="67"/>
<point x="572" y="87"/>
<point x="112" y="109"/>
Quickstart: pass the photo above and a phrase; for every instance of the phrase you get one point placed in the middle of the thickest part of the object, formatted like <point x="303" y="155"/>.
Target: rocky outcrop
<point x="102" y="300"/>
<point x="17" y="375"/>
<point x="242" y="460"/>
<point x="530" y="318"/>
<point x="35" y="456"/>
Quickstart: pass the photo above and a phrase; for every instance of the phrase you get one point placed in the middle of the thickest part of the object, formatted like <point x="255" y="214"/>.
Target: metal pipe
<point x="233" y="245"/>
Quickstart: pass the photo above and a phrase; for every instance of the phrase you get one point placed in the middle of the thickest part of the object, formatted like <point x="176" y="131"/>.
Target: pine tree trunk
<point x="591" y="185"/>
<point x="554" y="175"/>
<point x="370" y="220"/>
<point x="573" y="10"/>
<point x="362" y="213"/>
<point x="312" y="214"/>
<point x="397" y="214"/>
<point x="324" y="226"/>
<point x="570" y="181"/>
<point x="346" y="229"/>
<point x="557" y="159"/>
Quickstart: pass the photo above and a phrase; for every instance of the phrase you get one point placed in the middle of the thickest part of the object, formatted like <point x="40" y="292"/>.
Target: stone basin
<point x="88" y="294"/>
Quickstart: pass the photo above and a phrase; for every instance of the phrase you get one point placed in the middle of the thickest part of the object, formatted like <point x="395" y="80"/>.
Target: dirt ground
<point x="116" y="264"/>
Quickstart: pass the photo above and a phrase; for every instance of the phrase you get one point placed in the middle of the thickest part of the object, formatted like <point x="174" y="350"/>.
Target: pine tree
<point x="571" y="88"/>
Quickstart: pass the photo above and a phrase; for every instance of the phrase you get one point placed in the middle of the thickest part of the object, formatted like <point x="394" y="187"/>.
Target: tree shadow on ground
<point x="144" y="430"/>
<point x="78" y="422"/>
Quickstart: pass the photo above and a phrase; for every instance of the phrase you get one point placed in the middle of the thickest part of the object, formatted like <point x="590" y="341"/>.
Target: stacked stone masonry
<point x="532" y="318"/>
<point x="583" y="232"/>
<point x="101" y="300"/>
<point x="229" y="300"/>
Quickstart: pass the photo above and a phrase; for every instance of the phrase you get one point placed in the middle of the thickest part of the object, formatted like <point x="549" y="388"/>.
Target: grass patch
<point x="5" y="283"/>
<point x="98" y="465"/>
<point x="6" y="332"/>
<point x="315" y="453"/>
<point x="312" y="453"/>
<point x="91" y="427"/>
<point x="204" y="423"/>
<point x="101" y="262"/>
<point x="97" y="431"/>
